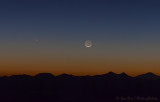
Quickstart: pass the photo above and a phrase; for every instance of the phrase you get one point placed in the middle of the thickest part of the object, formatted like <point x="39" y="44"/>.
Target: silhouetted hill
<point x="109" y="87"/>
<point x="65" y="76"/>
<point x="148" y="76"/>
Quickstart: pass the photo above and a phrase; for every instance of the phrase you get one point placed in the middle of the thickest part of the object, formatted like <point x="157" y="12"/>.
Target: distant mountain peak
<point x="111" y="73"/>
<point x="44" y="75"/>
<point x="124" y="74"/>
<point x="65" y="75"/>
<point x="148" y="75"/>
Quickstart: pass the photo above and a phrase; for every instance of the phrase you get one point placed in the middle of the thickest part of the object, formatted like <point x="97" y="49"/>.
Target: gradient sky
<point x="48" y="36"/>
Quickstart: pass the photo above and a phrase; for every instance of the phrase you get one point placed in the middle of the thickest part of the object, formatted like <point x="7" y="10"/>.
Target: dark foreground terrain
<point x="109" y="87"/>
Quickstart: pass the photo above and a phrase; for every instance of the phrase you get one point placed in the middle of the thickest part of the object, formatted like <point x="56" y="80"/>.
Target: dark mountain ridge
<point x="45" y="87"/>
<point x="70" y="75"/>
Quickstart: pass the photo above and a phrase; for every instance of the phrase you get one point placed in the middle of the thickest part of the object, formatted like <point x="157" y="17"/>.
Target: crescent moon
<point x="88" y="43"/>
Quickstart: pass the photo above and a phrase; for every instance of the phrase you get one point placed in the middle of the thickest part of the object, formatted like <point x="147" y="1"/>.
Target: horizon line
<point x="79" y="75"/>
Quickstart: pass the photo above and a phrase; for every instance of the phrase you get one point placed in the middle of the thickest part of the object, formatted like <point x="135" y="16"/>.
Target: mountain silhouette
<point x="109" y="87"/>
<point x="148" y="76"/>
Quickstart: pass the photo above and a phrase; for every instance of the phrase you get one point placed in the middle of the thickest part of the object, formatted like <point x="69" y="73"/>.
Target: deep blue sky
<point x="81" y="19"/>
<point x="119" y="29"/>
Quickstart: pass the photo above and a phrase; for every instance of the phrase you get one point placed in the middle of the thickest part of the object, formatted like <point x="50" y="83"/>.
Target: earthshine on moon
<point x="88" y="43"/>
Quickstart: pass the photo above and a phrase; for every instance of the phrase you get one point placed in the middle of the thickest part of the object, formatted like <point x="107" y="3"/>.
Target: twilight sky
<point x="48" y="36"/>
